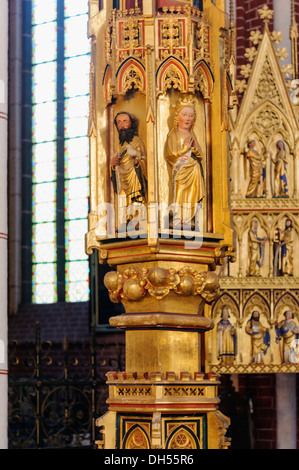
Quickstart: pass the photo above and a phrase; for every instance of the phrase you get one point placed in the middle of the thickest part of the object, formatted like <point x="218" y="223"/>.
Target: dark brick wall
<point x="71" y="320"/>
<point x="248" y="19"/>
<point x="252" y="410"/>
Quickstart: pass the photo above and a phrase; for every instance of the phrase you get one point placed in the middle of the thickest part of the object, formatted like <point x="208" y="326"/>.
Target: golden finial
<point x="265" y="14"/>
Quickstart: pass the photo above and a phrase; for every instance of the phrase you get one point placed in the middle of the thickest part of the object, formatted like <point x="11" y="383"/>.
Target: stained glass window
<point x="60" y="104"/>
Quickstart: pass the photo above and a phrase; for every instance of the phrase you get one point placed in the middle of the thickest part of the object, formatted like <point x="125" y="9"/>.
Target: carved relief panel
<point x="265" y="243"/>
<point x="258" y="332"/>
<point x="260" y="291"/>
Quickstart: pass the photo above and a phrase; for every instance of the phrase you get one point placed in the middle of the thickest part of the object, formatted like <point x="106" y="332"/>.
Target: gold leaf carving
<point x="173" y="79"/>
<point x="134" y="283"/>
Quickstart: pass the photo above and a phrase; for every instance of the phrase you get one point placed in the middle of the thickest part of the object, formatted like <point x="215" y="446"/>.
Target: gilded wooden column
<point x="155" y="206"/>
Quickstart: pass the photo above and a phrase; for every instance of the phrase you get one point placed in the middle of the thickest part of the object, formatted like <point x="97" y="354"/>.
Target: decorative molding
<point x="280" y="282"/>
<point x="264" y="204"/>
<point x="134" y="283"/>
<point x="255" y="369"/>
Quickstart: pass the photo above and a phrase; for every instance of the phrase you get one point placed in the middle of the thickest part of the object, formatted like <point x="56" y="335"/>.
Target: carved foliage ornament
<point x="134" y="283"/>
<point x="130" y="35"/>
<point x="171" y="34"/>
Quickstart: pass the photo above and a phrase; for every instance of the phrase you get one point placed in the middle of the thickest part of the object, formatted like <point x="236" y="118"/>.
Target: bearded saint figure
<point x="129" y="164"/>
<point x="260" y="337"/>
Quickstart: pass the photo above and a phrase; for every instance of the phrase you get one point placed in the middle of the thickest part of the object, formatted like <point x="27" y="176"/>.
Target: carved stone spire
<point x="294" y="40"/>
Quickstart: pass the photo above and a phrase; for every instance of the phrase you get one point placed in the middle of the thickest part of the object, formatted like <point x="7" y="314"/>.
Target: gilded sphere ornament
<point x="132" y="290"/>
<point x="187" y="285"/>
<point x="157" y="276"/>
<point x="211" y="282"/>
<point x="111" y="280"/>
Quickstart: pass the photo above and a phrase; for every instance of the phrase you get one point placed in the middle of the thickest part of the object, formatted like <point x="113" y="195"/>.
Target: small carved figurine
<point x="283" y="248"/>
<point x="257" y="171"/>
<point x="256" y="248"/>
<point x="226" y="338"/>
<point x="260" y="337"/>
<point x="287" y="243"/>
<point x="280" y="170"/>
<point x="288" y="331"/>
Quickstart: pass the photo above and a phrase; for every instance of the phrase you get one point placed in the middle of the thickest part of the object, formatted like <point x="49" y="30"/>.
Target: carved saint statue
<point x="226" y="338"/>
<point x="128" y="166"/>
<point x="288" y="331"/>
<point x="277" y="271"/>
<point x="280" y="170"/>
<point x="287" y="244"/>
<point x="283" y="248"/>
<point x="260" y="337"/>
<point x="257" y="171"/>
<point x="184" y="157"/>
<point x="256" y="249"/>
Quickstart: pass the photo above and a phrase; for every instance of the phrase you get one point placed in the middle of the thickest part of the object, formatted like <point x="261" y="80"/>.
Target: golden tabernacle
<point x="161" y="89"/>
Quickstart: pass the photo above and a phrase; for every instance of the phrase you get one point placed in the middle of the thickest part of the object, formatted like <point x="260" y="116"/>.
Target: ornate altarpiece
<point x="265" y="277"/>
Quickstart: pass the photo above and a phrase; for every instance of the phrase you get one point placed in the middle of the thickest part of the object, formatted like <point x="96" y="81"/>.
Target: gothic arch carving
<point x="225" y="300"/>
<point x="172" y="74"/>
<point x="286" y="302"/>
<point x="266" y="121"/>
<point x="131" y="75"/>
<point x="182" y="438"/>
<point x="136" y="438"/>
<point x="263" y="224"/>
<point x="281" y="218"/>
<point x="256" y="302"/>
<point x="203" y="79"/>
